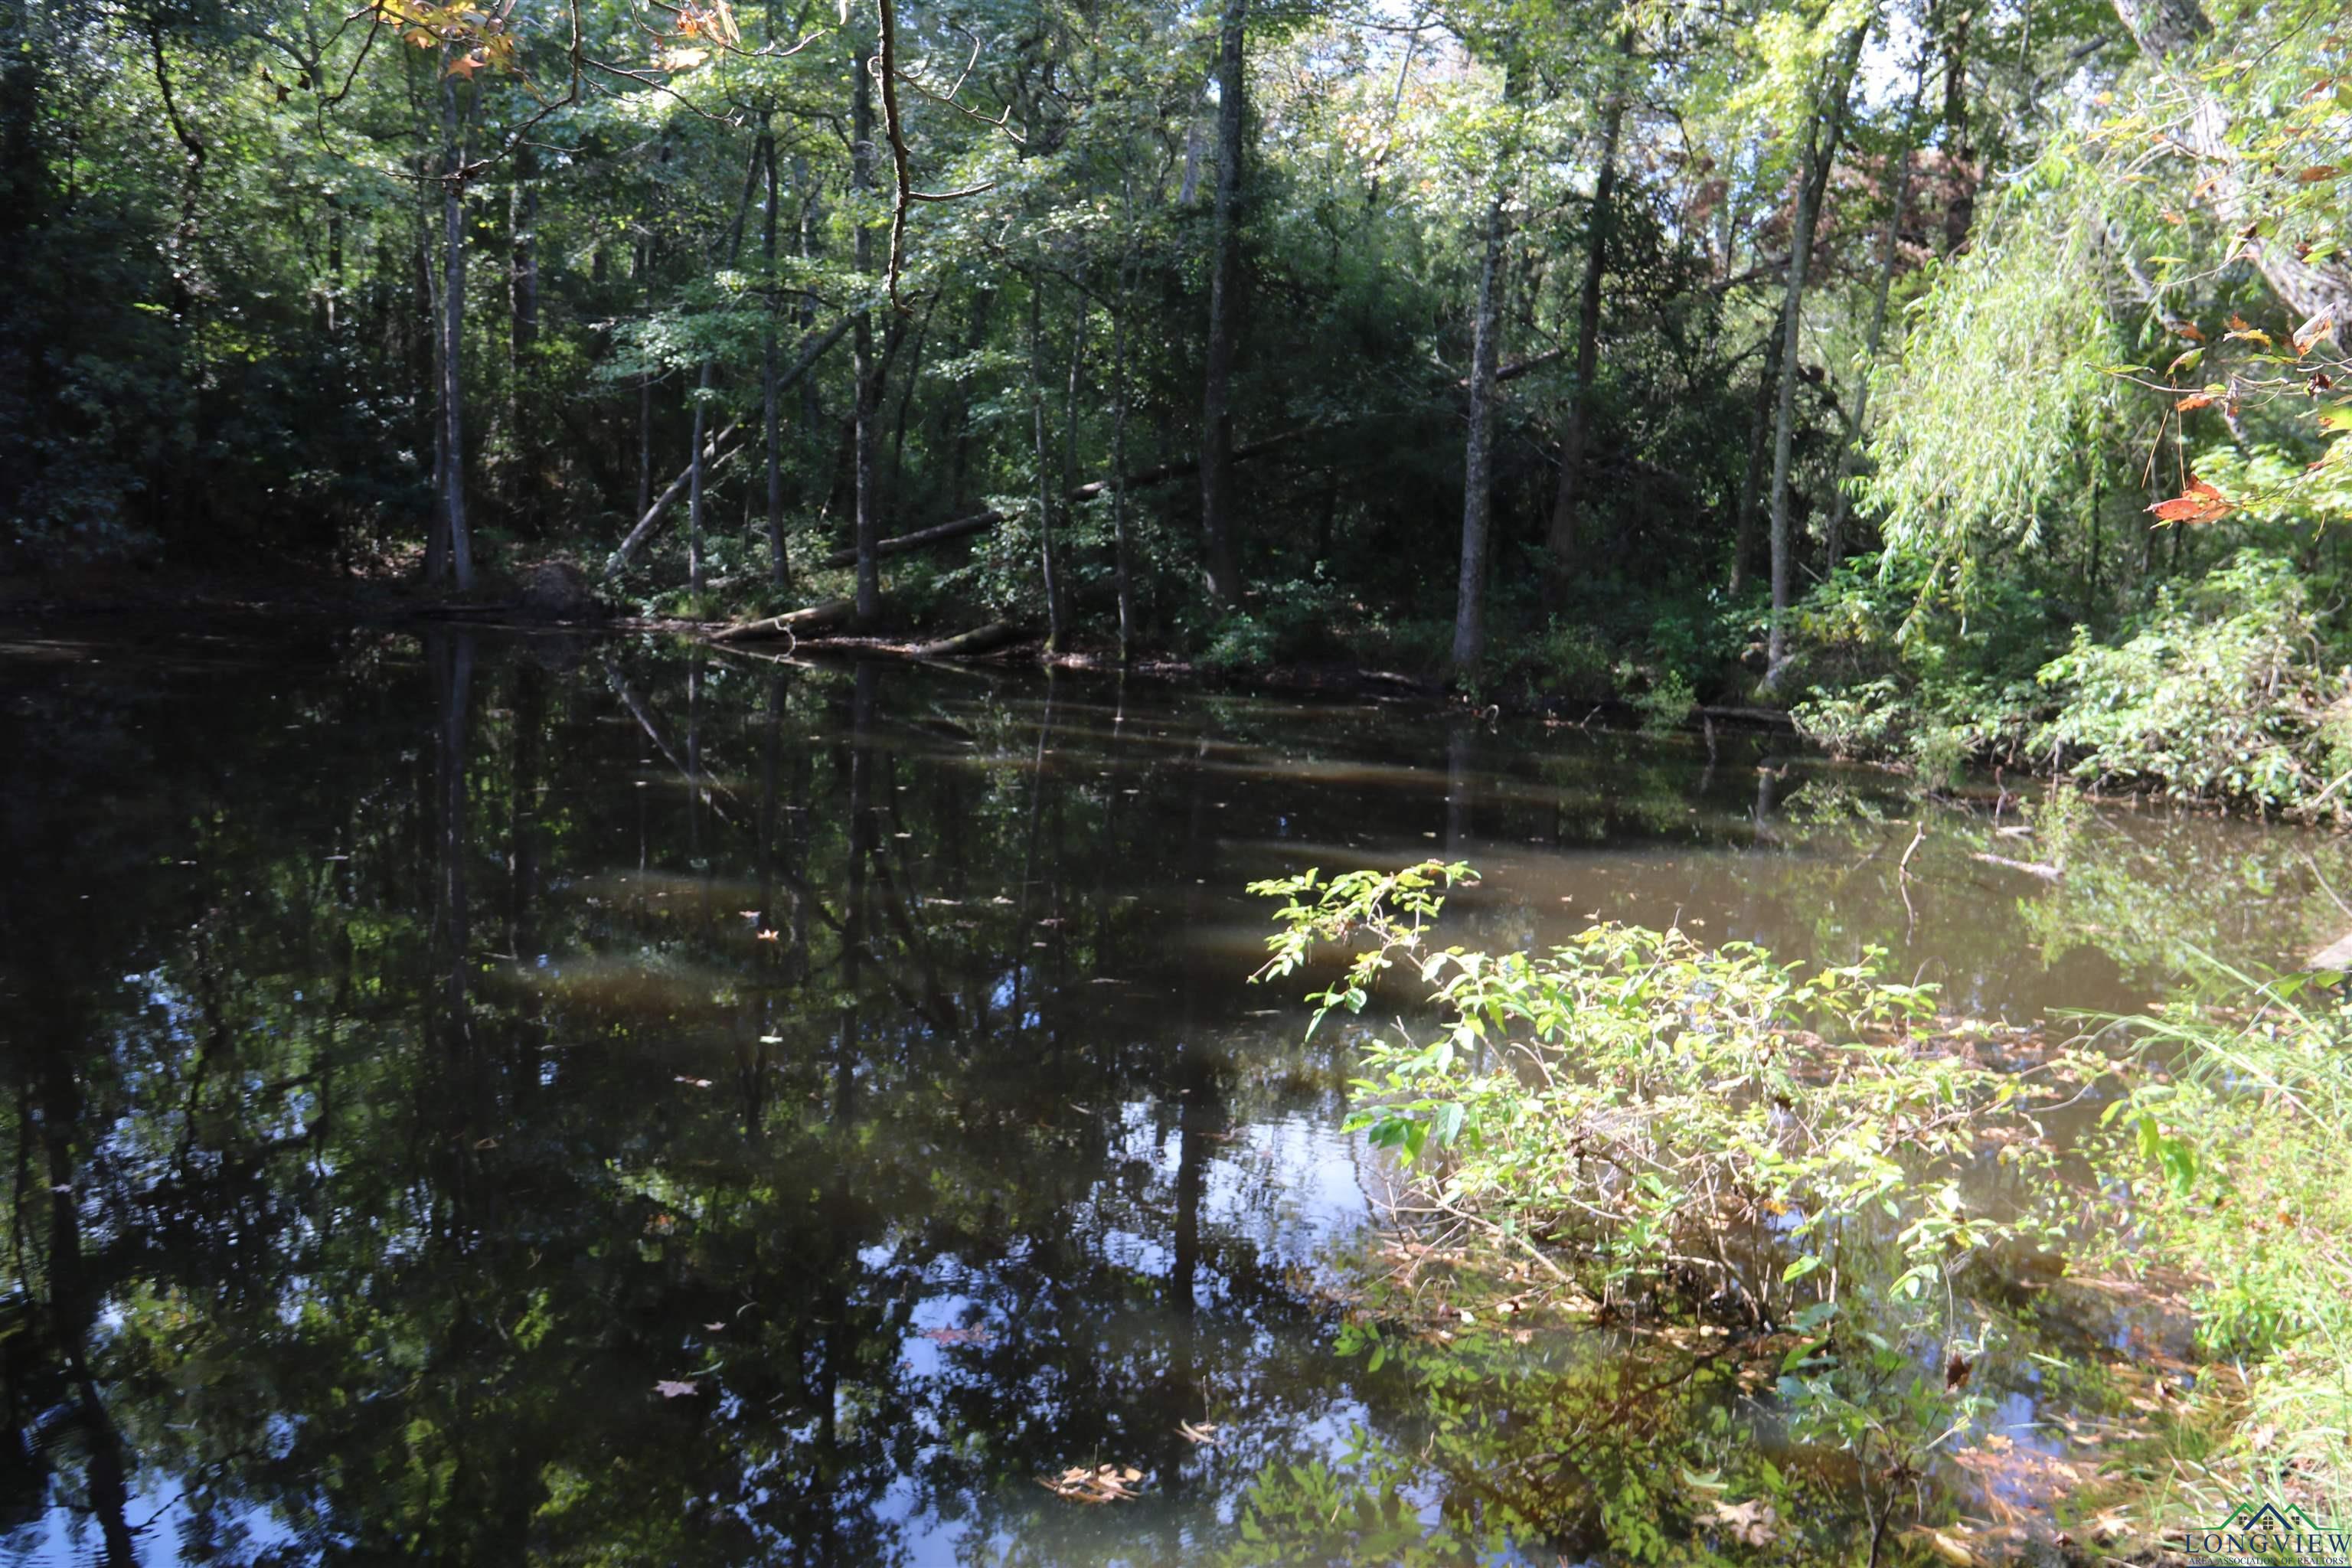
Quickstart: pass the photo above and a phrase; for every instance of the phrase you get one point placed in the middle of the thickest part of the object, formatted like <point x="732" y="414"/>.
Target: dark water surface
<point x="490" y="1098"/>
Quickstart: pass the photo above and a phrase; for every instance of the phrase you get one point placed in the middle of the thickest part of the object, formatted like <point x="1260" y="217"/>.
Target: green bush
<point x="1675" y="1128"/>
<point x="2218" y="692"/>
<point x="1572" y="661"/>
<point x="1239" y="642"/>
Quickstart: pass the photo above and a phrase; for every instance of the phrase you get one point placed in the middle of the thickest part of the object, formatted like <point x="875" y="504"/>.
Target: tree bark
<point x="1752" y="481"/>
<point x="1821" y="138"/>
<point x="1222" y="557"/>
<point x="1045" y="561"/>
<point x="453" y="335"/>
<point x="702" y="386"/>
<point x="869" y="523"/>
<point x="780" y="571"/>
<point x="1477" y="463"/>
<point x="1122" y="573"/>
<point x="1562" y="538"/>
<point x="694" y="480"/>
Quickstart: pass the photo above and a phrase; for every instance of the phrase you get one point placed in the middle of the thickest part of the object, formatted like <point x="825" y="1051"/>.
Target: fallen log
<point x="815" y="617"/>
<point x="922" y="538"/>
<point x="2040" y="868"/>
<point x="980" y="639"/>
<point x="711" y="455"/>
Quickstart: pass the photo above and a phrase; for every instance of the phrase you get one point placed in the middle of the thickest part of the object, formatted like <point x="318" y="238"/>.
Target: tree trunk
<point x="334" y="264"/>
<point x="659" y="504"/>
<point x="780" y="571"/>
<point x="1046" y="563"/>
<point x="2168" y="33"/>
<point x="453" y="333"/>
<point x="694" y="462"/>
<point x="1563" y="540"/>
<point x="1070" y="397"/>
<point x="428" y="298"/>
<point x="694" y="481"/>
<point x="1122" y="571"/>
<point x="1833" y="539"/>
<point x="1959" y="169"/>
<point x="1470" y="593"/>
<point x="1752" y="481"/>
<point x="869" y="527"/>
<point x="1224" y="305"/>
<point x="1822" y="139"/>
<point x="523" y="282"/>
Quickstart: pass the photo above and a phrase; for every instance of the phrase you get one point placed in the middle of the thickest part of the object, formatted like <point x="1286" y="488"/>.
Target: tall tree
<point x="1478" y="449"/>
<point x="866" y="436"/>
<point x="457" y="540"/>
<point x="1561" y="540"/>
<point x="1217" y="525"/>
<point x="1824" y="129"/>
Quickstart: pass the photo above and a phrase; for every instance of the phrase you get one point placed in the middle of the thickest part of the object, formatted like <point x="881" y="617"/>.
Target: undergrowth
<point x="2233" y="1145"/>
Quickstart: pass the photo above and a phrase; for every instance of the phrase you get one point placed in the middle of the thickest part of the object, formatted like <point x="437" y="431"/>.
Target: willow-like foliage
<point x="1999" y="379"/>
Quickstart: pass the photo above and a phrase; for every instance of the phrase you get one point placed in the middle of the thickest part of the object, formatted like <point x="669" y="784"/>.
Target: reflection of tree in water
<point x="387" y="1207"/>
<point x="365" y="1017"/>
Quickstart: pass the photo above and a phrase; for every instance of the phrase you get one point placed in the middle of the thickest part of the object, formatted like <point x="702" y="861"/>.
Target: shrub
<point x="1670" y="1126"/>
<point x="1663" y="1112"/>
<point x="2216" y="693"/>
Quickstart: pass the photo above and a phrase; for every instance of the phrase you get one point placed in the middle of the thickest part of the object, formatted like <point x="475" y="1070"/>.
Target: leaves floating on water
<point x="1104" y="1483"/>
<point x="1948" y="1546"/>
<point x="971" y="1336"/>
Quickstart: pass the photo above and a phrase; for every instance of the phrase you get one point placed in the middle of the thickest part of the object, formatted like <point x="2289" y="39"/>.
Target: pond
<point x="488" y="1096"/>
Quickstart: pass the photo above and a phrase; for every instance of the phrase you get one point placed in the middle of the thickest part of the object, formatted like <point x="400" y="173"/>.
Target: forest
<point x="1935" y="370"/>
<point x="1103" y="782"/>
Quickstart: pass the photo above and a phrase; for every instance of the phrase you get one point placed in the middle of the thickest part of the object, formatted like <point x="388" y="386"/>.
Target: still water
<point x="490" y="1098"/>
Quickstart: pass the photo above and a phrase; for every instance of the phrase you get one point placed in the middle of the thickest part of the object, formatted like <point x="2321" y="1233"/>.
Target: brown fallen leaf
<point x="1104" y="1483"/>
<point x="1206" y="1432"/>
<point x="672" y="1388"/>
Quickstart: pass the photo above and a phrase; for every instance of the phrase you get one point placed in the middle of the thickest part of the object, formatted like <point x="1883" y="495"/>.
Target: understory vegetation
<point x="1884" y="1220"/>
<point x="2233" y="1142"/>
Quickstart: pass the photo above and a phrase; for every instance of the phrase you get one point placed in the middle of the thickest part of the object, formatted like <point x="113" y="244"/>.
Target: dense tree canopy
<point x="1753" y="347"/>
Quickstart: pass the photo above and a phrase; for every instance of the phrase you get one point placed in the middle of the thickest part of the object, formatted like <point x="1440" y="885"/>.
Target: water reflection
<point x="496" y="1099"/>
